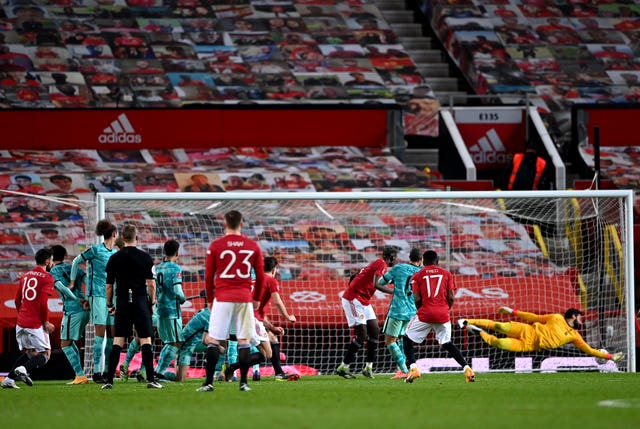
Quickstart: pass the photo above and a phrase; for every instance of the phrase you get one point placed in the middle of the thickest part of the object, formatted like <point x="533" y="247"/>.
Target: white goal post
<point x="540" y="251"/>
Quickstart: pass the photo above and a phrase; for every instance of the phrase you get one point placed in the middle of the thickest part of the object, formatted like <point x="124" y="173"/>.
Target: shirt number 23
<point x="237" y="264"/>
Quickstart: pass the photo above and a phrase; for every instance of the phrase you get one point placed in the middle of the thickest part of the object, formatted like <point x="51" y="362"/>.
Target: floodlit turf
<point x="502" y="400"/>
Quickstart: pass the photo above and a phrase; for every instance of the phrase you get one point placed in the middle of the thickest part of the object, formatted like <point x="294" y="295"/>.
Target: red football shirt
<point x="271" y="286"/>
<point x="229" y="265"/>
<point x="362" y="287"/>
<point x="433" y="282"/>
<point x="36" y="286"/>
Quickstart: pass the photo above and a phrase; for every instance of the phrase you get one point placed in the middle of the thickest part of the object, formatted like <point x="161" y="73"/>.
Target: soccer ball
<point x="601" y="361"/>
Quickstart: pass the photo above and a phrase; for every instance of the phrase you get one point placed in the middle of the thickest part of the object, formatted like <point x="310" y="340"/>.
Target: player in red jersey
<point x="356" y="303"/>
<point x="32" y="326"/>
<point x="271" y="293"/>
<point x="265" y="339"/>
<point x="230" y="261"/>
<point x="433" y="291"/>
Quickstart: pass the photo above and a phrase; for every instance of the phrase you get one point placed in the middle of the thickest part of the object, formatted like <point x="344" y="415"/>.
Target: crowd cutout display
<point x="556" y="55"/>
<point x="45" y="193"/>
<point x="168" y="53"/>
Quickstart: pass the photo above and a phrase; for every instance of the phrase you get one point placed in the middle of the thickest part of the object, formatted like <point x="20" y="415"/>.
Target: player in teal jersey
<point x="170" y="297"/>
<point x="96" y="258"/>
<point x="193" y="334"/>
<point x="75" y="310"/>
<point x="402" y="307"/>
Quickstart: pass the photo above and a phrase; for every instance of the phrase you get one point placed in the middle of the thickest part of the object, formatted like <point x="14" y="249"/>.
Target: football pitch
<point x="437" y="400"/>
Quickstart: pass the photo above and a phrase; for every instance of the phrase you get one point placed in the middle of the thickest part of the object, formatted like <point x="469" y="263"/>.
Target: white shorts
<point x="261" y="334"/>
<point x="33" y="339"/>
<point x="357" y="314"/>
<point x="225" y="315"/>
<point x="417" y="331"/>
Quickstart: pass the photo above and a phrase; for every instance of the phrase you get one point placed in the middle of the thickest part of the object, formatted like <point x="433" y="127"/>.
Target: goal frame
<point x="627" y="196"/>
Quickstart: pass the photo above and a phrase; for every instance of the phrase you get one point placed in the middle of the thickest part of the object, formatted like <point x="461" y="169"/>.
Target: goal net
<point x="542" y="252"/>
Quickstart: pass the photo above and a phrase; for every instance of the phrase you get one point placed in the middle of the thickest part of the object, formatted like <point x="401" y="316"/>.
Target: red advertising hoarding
<point x="616" y="123"/>
<point x="491" y="135"/>
<point x="124" y="129"/>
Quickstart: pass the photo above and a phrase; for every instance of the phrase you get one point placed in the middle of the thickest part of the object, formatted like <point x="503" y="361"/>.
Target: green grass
<point x="501" y="400"/>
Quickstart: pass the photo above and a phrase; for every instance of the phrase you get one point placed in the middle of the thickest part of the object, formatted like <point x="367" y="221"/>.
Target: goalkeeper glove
<point x="505" y="310"/>
<point x="617" y="357"/>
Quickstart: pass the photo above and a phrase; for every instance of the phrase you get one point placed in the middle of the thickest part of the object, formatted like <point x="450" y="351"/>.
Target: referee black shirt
<point x="129" y="269"/>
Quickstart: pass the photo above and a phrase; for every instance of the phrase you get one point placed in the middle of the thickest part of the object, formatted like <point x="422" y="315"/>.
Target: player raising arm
<point x="543" y="332"/>
<point x="272" y="293"/>
<point x="96" y="258"/>
<point x="265" y="339"/>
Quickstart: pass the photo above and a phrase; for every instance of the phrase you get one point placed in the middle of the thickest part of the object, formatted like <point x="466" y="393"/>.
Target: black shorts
<point x="136" y="313"/>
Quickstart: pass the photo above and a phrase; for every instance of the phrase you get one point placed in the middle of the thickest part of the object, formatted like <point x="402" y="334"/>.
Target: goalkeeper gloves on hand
<point x="505" y="310"/>
<point x="617" y="357"/>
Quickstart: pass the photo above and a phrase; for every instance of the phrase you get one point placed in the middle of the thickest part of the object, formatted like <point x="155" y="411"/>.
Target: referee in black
<point x="131" y="270"/>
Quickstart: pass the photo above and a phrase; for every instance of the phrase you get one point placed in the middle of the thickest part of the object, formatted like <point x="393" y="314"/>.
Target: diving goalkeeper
<point x="543" y="332"/>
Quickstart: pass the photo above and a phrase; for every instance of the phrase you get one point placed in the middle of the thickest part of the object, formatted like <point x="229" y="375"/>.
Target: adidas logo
<point x="120" y="131"/>
<point x="489" y="149"/>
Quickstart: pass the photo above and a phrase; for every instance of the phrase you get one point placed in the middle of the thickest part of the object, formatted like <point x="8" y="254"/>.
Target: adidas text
<point x="489" y="157"/>
<point x="120" y="138"/>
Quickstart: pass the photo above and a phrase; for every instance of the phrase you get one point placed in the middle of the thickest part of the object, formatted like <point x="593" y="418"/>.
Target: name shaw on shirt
<point x="235" y="243"/>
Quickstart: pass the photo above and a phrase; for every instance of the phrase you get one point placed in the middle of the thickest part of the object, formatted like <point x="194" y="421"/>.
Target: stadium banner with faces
<point x="232" y="126"/>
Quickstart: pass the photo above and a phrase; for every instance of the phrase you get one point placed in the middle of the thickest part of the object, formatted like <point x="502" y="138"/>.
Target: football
<point x="601" y="361"/>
